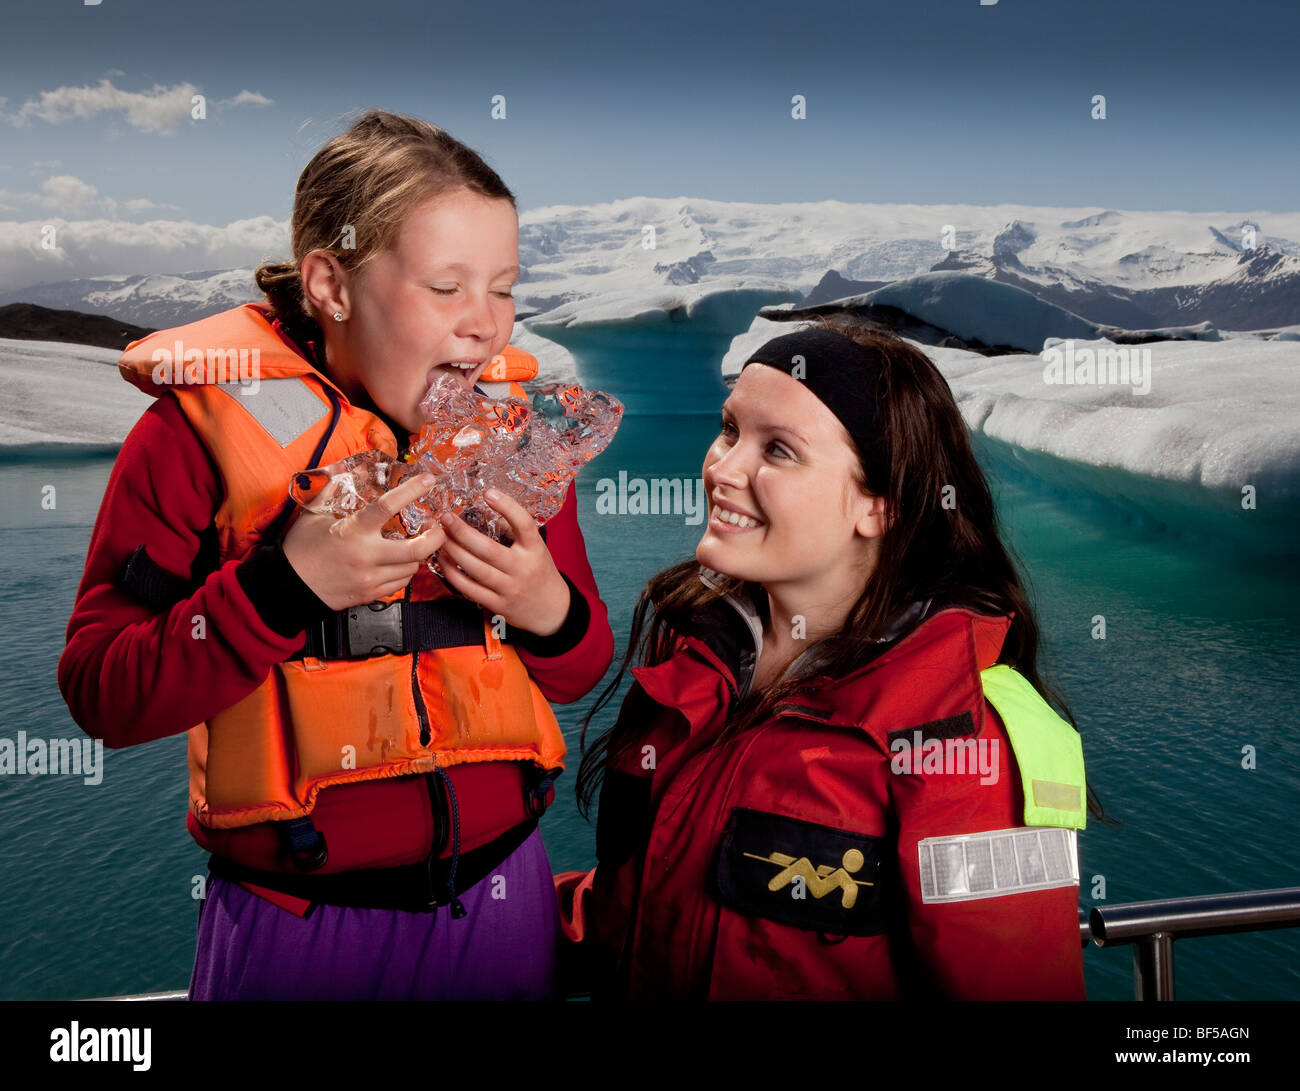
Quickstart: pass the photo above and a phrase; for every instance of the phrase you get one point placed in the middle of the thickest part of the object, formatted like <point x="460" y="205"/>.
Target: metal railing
<point x="177" y="994"/>
<point x="1151" y="927"/>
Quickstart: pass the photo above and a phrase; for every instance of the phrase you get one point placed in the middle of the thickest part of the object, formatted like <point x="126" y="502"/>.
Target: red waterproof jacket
<point x="794" y="861"/>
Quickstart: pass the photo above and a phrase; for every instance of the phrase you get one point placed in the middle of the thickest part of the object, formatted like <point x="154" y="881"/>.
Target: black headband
<point x="844" y="376"/>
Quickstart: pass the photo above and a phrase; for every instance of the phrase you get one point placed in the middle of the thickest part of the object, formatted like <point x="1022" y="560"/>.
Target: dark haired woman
<point x="835" y="775"/>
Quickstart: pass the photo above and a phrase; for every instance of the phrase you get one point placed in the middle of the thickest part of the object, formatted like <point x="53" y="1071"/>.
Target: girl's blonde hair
<point x="354" y="195"/>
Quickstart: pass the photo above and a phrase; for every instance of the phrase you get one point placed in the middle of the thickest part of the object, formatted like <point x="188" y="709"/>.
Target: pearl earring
<point x="338" y="316"/>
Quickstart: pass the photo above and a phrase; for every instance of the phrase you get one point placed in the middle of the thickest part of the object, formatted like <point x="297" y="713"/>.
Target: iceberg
<point x="58" y="398"/>
<point x="1211" y="449"/>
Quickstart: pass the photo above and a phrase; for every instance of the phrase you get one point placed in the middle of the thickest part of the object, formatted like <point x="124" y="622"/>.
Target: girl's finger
<point x="475" y="542"/>
<point x="475" y="592"/>
<point x="390" y="588"/>
<point x="391" y="551"/>
<point x="523" y="527"/>
<point x="426" y="544"/>
<point x="393" y="501"/>
<point x="478" y="570"/>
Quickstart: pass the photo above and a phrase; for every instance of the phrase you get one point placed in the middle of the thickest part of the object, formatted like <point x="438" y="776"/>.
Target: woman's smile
<point x="726" y="519"/>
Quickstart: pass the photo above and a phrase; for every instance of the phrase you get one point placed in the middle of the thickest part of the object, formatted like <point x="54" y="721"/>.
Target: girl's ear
<point x="325" y="283"/>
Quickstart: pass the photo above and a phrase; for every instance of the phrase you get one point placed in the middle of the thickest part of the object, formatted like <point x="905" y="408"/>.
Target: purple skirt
<point x="504" y="948"/>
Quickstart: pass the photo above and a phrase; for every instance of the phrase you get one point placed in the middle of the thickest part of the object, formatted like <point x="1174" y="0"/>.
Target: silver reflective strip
<point x="286" y="408"/>
<point x="495" y="390"/>
<point x="990" y="865"/>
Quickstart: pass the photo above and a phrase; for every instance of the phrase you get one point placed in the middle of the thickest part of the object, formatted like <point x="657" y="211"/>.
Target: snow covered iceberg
<point x="1212" y="449"/>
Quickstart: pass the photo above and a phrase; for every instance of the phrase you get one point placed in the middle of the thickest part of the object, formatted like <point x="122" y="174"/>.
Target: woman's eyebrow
<point x="769" y="426"/>
<point x="785" y="429"/>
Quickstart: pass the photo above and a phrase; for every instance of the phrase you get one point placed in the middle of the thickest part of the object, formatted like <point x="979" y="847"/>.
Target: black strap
<point x="416" y="888"/>
<point x="394" y="628"/>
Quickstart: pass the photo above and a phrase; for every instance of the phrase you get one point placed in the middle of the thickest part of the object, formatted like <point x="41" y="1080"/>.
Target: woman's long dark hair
<point x="942" y="543"/>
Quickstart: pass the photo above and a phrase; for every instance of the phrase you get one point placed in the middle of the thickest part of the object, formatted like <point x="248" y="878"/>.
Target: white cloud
<point x="99" y="246"/>
<point x="158" y="110"/>
<point x="66" y="195"/>
<point x="143" y="204"/>
<point x="245" y="98"/>
<point x="62" y="194"/>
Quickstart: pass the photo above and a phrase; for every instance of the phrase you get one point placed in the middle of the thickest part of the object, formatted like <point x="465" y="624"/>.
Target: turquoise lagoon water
<point x="1199" y="661"/>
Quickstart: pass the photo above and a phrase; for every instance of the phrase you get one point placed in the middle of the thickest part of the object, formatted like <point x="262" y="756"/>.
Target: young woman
<point x="835" y="775"/>
<point x="369" y="746"/>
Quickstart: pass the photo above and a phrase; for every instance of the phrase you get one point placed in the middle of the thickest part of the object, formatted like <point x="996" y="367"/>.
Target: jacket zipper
<point x="437" y="797"/>
<point x="425" y="734"/>
<point x="420" y="710"/>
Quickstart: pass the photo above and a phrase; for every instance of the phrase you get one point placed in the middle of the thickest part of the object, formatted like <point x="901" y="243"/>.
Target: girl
<point x="372" y="744"/>
<point x="834" y="775"/>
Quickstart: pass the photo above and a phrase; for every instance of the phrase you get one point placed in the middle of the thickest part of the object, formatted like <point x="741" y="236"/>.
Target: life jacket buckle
<point x="375" y="628"/>
<point x="536" y="790"/>
<point x="305" y="844"/>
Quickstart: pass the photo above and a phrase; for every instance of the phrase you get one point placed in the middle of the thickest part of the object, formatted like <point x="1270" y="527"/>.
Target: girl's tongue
<point x="461" y="374"/>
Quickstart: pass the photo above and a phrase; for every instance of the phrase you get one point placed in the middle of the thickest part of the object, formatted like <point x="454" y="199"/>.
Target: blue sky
<point x="945" y="101"/>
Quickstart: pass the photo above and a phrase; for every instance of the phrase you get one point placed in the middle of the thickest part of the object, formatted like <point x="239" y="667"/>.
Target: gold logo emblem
<point x="822" y="879"/>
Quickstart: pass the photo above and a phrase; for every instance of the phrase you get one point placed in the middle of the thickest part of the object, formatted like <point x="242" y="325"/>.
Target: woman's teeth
<point x="463" y="366"/>
<point x="736" y="519"/>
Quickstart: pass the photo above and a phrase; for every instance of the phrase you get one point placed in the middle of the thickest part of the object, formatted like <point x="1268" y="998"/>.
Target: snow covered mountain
<point x="1135" y="269"/>
<point x="155" y="300"/>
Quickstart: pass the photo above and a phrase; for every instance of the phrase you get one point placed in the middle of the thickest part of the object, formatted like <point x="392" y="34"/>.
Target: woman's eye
<point x="506" y="295"/>
<point x="727" y="429"/>
<point x="445" y="291"/>
<point x="779" y="449"/>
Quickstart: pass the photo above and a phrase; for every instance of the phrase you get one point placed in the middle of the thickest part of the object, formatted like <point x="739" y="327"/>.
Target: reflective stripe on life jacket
<point x="264" y="413"/>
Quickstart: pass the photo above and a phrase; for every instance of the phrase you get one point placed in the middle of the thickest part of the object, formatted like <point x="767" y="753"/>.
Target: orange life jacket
<point x="265" y="413"/>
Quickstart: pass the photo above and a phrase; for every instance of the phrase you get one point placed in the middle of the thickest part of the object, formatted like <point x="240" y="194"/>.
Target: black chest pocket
<point x="799" y="873"/>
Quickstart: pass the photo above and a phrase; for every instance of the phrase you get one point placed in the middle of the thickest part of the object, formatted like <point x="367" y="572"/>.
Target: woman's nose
<point x="728" y="470"/>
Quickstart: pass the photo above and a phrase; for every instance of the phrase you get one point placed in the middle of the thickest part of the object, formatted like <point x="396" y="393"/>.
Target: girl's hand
<point x="347" y="562"/>
<point x="520" y="582"/>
